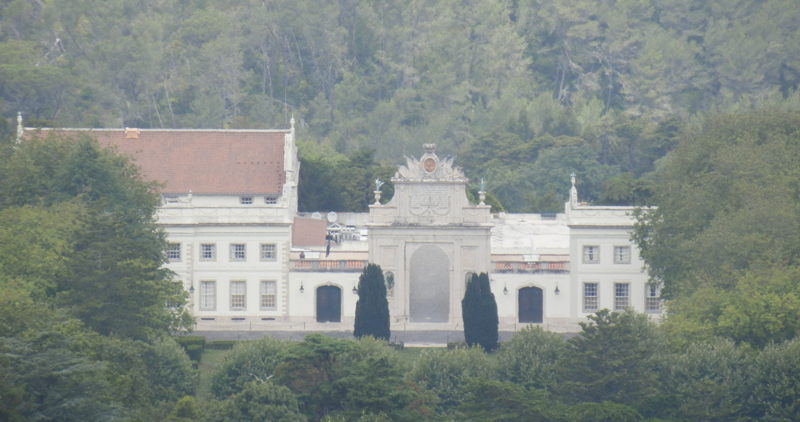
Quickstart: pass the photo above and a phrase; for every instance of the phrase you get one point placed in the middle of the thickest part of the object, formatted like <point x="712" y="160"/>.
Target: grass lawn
<point x="208" y="363"/>
<point x="409" y="355"/>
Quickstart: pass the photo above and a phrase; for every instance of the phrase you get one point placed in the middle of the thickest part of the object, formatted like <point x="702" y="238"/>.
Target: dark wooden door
<point x="329" y="304"/>
<point x="530" y="305"/>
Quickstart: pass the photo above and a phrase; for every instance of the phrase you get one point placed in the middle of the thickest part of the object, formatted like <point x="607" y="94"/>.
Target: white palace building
<point x="252" y="262"/>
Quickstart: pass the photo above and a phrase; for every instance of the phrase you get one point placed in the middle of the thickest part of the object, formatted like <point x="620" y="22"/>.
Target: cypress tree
<point x="372" y="308"/>
<point x="479" y="310"/>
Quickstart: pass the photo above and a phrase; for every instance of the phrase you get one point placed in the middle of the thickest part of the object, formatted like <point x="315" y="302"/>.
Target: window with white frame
<point x="238" y="290"/>
<point x="268" y="252"/>
<point x="270" y="200"/>
<point x="652" y="299"/>
<point x="171" y="199"/>
<point x="591" y="254"/>
<point x="622" y="254"/>
<point x="268" y="292"/>
<point x="208" y="252"/>
<point x="590" y="297"/>
<point x="621" y="296"/>
<point x="246" y="200"/>
<point x="174" y="251"/>
<point x="238" y="252"/>
<point x="208" y="295"/>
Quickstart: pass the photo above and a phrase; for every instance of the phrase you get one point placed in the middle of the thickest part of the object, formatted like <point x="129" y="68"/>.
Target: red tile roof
<point x="203" y="161"/>
<point x="309" y="232"/>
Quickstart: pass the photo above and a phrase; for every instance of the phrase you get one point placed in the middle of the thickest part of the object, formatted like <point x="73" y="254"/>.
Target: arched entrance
<point x="429" y="299"/>
<point x="531" y="306"/>
<point x="329" y="304"/>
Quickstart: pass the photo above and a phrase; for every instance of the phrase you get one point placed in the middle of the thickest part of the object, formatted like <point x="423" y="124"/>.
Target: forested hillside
<point x="523" y="92"/>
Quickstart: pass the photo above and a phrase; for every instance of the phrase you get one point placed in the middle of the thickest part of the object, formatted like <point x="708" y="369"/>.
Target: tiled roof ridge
<point x="204" y="161"/>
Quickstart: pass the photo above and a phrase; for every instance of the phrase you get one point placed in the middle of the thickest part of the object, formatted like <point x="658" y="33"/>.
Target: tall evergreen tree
<point x="372" y="308"/>
<point x="479" y="310"/>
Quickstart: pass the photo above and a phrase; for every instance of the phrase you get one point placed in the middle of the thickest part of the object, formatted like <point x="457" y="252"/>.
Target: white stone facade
<point x="233" y="249"/>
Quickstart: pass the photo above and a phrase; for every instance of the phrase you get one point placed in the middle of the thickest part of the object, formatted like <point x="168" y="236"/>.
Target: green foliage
<point x="479" y="310"/>
<point x="772" y="384"/>
<point x="186" y="341"/>
<point x="248" y="361"/>
<point x="42" y="376"/>
<point x="446" y="373"/>
<point x="727" y="201"/>
<point x="185" y="410"/>
<point x="529" y="358"/>
<point x="760" y="306"/>
<point x="347" y="377"/>
<point x="704" y="381"/>
<point x="604" y="412"/>
<point x="625" y="190"/>
<point x="372" y="308"/>
<point x="333" y="182"/>
<point x="258" y="402"/>
<point x="500" y="401"/>
<point x="194" y="351"/>
<point x="611" y="360"/>
<point x="119" y="260"/>
<point x="222" y="344"/>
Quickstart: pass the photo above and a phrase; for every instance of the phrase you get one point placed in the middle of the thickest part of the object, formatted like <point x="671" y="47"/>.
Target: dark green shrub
<point x="221" y="344"/>
<point x="195" y="352"/>
<point x="186" y="341"/>
<point x="479" y="310"/>
<point x="372" y="308"/>
<point x="451" y="345"/>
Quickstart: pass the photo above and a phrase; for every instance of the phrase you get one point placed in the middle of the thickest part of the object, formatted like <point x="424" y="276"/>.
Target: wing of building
<point x="251" y="262"/>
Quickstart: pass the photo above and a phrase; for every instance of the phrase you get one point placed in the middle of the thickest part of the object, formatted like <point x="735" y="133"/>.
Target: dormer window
<point x="271" y="200"/>
<point x="246" y="200"/>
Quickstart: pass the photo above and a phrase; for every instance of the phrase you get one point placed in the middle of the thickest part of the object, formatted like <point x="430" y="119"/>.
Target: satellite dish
<point x="316" y="215"/>
<point x="332" y="217"/>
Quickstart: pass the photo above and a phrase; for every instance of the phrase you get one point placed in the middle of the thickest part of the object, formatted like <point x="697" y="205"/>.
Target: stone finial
<point x="573" y="193"/>
<point x="291" y="122"/>
<point x="429" y="148"/>
<point x="19" y="126"/>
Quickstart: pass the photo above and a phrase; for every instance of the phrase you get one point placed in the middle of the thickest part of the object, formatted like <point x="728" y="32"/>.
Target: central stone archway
<point x="429" y="299"/>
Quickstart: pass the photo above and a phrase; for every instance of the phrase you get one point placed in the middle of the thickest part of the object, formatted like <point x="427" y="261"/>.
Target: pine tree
<point x="479" y="310"/>
<point x="372" y="308"/>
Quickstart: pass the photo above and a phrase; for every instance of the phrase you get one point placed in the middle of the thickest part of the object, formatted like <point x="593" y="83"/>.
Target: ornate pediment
<point x="429" y="167"/>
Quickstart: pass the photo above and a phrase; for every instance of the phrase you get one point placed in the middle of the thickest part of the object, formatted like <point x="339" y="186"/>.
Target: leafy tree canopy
<point x="727" y="201"/>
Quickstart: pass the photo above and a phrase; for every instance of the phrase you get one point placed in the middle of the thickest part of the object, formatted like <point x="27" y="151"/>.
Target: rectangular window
<point x="622" y="254"/>
<point x="621" y="295"/>
<point x="268" y="252"/>
<point x="208" y="295"/>
<point x="652" y="300"/>
<point x="271" y="200"/>
<point x="246" y="200"/>
<point x="591" y="254"/>
<point x="238" y="295"/>
<point x="268" y="291"/>
<point x="174" y="251"/>
<point x="238" y="252"/>
<point x="590" y="297"/>
<point x="171" y="199"/>
<point x="208" y="252"/>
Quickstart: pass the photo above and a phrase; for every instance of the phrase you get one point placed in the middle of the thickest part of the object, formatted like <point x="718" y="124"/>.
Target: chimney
<point x="132" y="133"/>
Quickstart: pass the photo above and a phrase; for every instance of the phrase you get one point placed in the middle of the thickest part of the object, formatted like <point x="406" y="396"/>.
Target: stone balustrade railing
<point x="321" y="265"/>
<point x="514" y="267"/>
